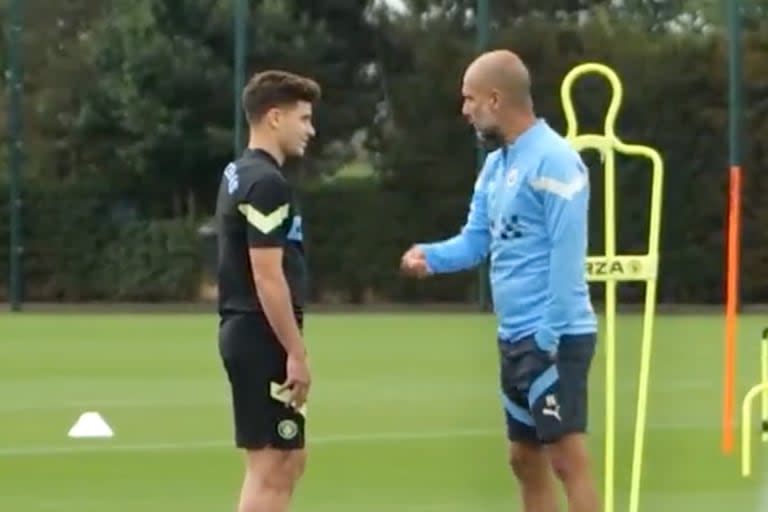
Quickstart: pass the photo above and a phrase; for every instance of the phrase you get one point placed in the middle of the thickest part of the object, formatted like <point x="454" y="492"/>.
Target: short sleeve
<point x="266" y="208"/>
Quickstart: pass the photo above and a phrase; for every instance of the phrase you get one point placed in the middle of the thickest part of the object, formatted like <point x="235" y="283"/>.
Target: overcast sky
<point x="395" y="4"/>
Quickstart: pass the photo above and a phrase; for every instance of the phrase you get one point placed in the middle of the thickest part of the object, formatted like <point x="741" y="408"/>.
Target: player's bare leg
<point x="532" y="469"/>
<point x="270" y="479"/>
<point x="570" y="462"/>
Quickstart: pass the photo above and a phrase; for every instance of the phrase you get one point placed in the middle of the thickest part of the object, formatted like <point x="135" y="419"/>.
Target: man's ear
<point x="273" y="117"/>
<point x="495" y="99"/>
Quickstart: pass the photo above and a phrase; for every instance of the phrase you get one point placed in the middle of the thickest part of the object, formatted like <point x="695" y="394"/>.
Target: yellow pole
<point x="612" y="268"/>
<point x="746" y="430"/>
<point x="763" y="379"/>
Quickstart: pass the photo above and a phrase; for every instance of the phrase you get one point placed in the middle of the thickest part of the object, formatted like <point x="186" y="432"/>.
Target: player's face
<point x="479" y="107"/>
<point x="295" y="128"/>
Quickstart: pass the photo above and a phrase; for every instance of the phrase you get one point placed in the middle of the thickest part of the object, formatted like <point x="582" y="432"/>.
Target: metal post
<point x="482" y="29"/>
<point x="735" y="109"/>
<point x="15" y="84"/>
<point x="240" y="20"/>
<point x="735" y="101"/>
<point x="734" y="81"/>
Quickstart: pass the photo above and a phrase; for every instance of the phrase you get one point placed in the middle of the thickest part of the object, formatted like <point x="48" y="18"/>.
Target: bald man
<point x="529" y="211"/>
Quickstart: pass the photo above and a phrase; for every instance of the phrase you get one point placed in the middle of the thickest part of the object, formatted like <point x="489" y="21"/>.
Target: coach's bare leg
<point x="270" y="478"/>
<point x="531" y="467"/>
<point x="570" y="462"/>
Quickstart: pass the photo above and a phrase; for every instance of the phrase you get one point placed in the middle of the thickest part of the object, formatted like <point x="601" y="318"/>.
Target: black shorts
<point x="255" y="362"/>
<point x="554" y="403"/>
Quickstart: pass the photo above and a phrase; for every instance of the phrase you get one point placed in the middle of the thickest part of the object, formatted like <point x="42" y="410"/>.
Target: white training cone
<point x="90" y="424"/>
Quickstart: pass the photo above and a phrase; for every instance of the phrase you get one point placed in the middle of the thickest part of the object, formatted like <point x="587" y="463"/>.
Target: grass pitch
<point x="404" y="415"/>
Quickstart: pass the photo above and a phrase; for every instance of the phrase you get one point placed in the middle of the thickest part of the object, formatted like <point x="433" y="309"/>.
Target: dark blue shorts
<point x="551" y="401"/>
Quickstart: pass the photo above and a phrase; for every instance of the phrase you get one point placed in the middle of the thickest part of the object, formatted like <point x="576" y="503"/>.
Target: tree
<point x="158" y="118"/>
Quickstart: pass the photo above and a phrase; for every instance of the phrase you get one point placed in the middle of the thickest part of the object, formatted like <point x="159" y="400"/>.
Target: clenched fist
<point x="414" y="263"/>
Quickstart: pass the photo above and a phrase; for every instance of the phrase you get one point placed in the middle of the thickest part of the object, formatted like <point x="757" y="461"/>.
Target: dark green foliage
<point x="81" y="243"/>
<point x="130" y="124"/>
<point x="153" y="261"/>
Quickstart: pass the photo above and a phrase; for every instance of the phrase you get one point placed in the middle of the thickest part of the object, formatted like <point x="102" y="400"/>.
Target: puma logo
<point x="551" y="408"/>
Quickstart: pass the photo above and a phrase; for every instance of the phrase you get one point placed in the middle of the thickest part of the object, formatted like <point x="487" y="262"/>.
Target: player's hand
<point x="414" y="262"/>
<point x="298" y="379"/>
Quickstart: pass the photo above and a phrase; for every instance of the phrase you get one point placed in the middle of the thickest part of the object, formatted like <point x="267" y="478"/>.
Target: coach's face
<point x="295" y="128"/>
<point x="480" y="106"/>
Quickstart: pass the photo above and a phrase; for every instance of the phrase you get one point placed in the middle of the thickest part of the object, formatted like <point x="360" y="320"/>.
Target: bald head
<point x="500" y="70"/>
<point x="497" y="96"/>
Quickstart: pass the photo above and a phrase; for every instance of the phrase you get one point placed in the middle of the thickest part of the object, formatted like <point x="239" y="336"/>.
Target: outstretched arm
<point x="471" y="245"/>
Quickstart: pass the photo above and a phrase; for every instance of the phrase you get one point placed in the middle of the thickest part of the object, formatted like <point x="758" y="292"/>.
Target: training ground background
<point x="404" y="413"/>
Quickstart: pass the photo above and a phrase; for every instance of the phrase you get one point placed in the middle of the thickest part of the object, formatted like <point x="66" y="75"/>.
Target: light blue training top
<point x="529" y="209"/>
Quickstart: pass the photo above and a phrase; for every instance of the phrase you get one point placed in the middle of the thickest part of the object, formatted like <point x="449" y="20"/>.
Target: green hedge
<point x="152" y="261"/>
<point x="356" y="232"/>
<point x="79" y="246"/>
<point x="76" y="249"/>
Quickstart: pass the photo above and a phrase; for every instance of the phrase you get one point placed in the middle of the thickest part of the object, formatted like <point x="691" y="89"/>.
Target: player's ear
<point x="273" y="117"/>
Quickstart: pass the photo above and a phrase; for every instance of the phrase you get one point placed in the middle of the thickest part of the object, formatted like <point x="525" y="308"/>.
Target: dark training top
<point x="256" y="208"/>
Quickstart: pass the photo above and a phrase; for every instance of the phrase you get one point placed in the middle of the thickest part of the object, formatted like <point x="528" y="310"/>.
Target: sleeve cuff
<point x="429" y="256"/>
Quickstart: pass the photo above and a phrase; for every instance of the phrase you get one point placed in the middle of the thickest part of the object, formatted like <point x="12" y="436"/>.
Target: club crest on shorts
<point x="287" y="429"/>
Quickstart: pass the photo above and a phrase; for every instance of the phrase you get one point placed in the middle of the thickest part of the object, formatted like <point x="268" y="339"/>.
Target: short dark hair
<point x="274" y="88"/>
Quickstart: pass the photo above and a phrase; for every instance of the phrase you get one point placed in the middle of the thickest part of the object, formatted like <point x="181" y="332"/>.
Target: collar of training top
<point x="530" y="134"/>
<point x="262" y="153"/>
